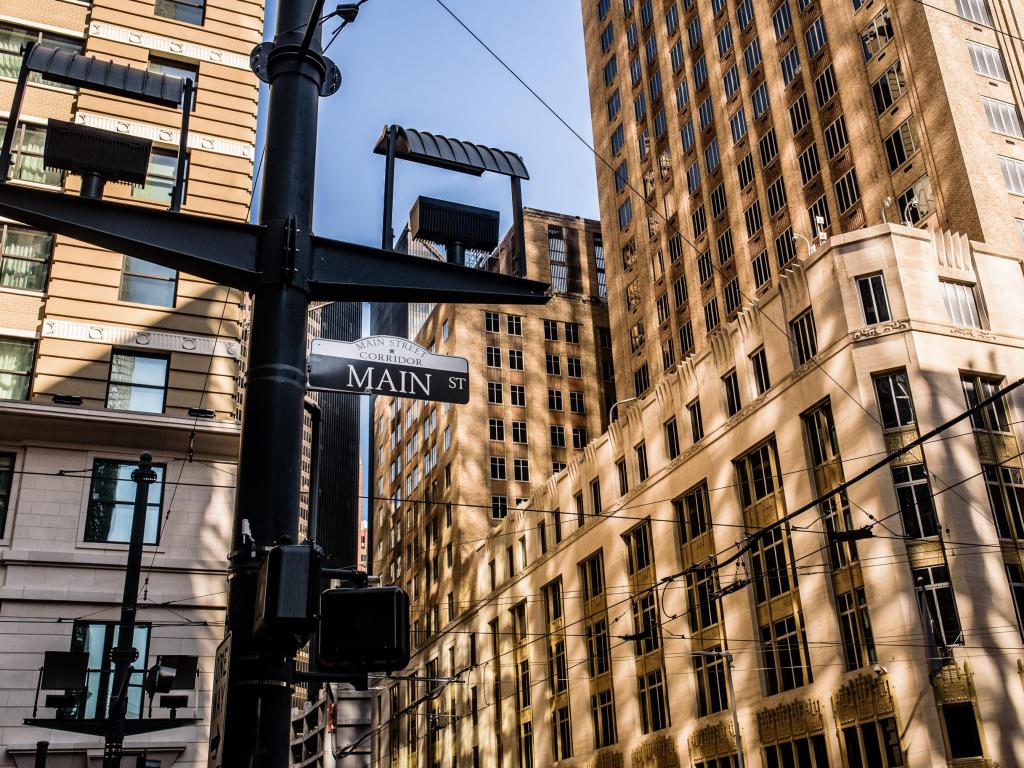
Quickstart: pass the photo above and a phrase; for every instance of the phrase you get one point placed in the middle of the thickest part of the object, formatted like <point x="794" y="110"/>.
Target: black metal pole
<point x="519" y="227"/>
<point x="258" y="706"/>
<point x="178" y="193"/>
<point x="12" y="120"/>
<point x="42" y="750"/>
<point x="387" y="238"/>
<point x="124" y="654"/>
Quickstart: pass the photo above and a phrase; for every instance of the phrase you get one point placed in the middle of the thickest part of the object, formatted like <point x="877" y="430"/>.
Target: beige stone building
<point x="727" y="128"/>
<point x="606" y="610"/>
<point x="103" y="356"/>
<point x="539" y="393"/>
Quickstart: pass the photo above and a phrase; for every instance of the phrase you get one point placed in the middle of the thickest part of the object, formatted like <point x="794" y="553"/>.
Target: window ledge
<point x="23" y="292"/>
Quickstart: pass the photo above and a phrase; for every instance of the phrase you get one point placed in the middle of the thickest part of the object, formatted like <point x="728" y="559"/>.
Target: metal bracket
<point x="290" y="248"/>
<point x="259" y="60"/>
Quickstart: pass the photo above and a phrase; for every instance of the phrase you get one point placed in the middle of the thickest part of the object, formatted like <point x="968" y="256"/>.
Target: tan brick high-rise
<point x="725" y="128"/>
<point x="102" y="357"/>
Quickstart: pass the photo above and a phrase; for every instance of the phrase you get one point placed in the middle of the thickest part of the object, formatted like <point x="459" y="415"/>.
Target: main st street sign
<point x="388" y="365"/>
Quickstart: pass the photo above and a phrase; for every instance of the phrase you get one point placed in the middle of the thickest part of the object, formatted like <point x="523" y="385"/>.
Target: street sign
<point x="388" y="365"/>
<point x="221" y="668"/>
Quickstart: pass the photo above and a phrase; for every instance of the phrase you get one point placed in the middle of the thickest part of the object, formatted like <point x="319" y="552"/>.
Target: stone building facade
<point x="103" y="356"/>
<point x="706" y="540"/>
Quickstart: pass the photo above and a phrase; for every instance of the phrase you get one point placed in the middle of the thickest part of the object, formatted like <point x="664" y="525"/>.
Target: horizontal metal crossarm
<point x="349" y="272"/>
<point x="97" y="726"/>
<point x="214" y="249"/>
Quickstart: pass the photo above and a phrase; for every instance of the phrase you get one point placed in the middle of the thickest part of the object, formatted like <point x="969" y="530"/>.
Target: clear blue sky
<point x="408" y="62"/>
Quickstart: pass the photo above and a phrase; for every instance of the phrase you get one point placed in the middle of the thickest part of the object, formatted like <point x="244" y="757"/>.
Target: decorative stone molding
<point x="712" y="740"/>
<point x="883" y="329"/>
<point x="722" y="349"/>
<point x="954" y="684"/>
<point x="865" y="697"/>
<point x="131" y="337"/>
<point x="167" y="45"/>
<point x="167" y="135"/>
<point x="590" y="453"/>
<point x="658" y="751"/>
<point x="973" y="333"/>
<point x="791" y="720"/>
<point x="953" y="254"/>
<point x="688" y="379"/>
<point x="606" y="759"/>
<point x="666" y="393"/>
<point x="748" y="320"/>
<point x="796" y="295"/>
<point x="615" y="435"/>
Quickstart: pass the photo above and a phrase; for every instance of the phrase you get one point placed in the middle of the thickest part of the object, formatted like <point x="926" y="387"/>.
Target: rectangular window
<point x="137" y="382"/>
<point x="706" y="113"/>
<point x="855" y="628"/>
<point x="825" y="86"/>
<point x="700" y="72"/>
<point x="738" y="125"/>
<point x="994" y="417"/>
<point x="499" y="507"/>
<point x="790" y="64"/>
<point x="938" y="605"/>
<point x="762" y="270"/>
<point x="783" y="649"/>
<point x="493" y="355"/>
<point x="576" y="404"/>
<point x="17" y="357"/>
<point x="889" y="87"/>
<point x="785" y="248"/>
<point x="847" y="191"/>
<point x="607" y="37"/>
<point x="809" y="164"/>
<point x="27" y="154"/>
<point x="805" y="337"/>
<point x="711" y="316"/>
<point x="1015" y="575"/>
<point x="776" y="194"/>
<point x="782" y="20"/>
<point x="640" y="450"/>
<point x="977" y="11"/>
<point x="914" y="497"/>
<point x="799" y="114"/>
<point x="718" y="201"/>
<point x="515" y="359"/>
<point x="900" y="145"/>
<point x="494" y="392"/>
<point x="618" y="140"/>
<point x="696" y="421"/>
<point x="653" y="696"/>
<point x="641" y="380"/>
<point x="768" y="148"/>
<point x="725" y="247"/>
<point x="498" y="468"/>
<point x="550" y="330"/>
<point x="517" y="395"/>
<point x="143" y="282"/>
<point x="579" y="438"/>
<point x="987" y="61"/>
<point x="6" y="483"/>
<point x="873" y="299"/>
<point x="752" y="56"/>
<point x="496" y="429"/>
<point x="112" y="503"/>
<point x="553" y="364"/>
<point x="894" y="403"/>
<point x="98" y="639"/>
<point x="731" y="81"/>
<point x="836" y="138"/>
<point x="492" y="322"/>
<point x="554" y="399"/>
<point x="1005" y="487"/>
<point x="876" y="35"/>
<point x="611" y="69"/>
<point x="745" y="171"/>
<point x="160" y="177"/>
<point x="12" y="38"/>
<point x="25" y="254"/>
<point x="1013" y="174"/>
<point x="602" y="710"/>
<point x="760" y="101"/>
<point x="815" y="37"/>
<point x="753" y="219"/>
<point x="557" y="436"/>
<point x="732" y="393"/>
<point x="685" y="339"/>
<point x="176" y="68"/>
<point x="189" y="11"/>
<point x="732" y="296"/>
<point x="961" y="304"/>
<point x="709" y="675"/>
<point x="759" y="364"/>
<point x="625" y="213"/>
<point x="521" y="470"/>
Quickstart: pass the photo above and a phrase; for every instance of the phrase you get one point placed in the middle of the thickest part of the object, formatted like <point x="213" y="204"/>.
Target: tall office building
<point x="538" y="376"/>
<point x="103" y="356"/>
<point x="728" y="128"/>
<point x="702" y="564"/>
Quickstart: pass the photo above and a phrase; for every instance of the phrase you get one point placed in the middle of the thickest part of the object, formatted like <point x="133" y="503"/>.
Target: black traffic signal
<point x="363" y="630"/>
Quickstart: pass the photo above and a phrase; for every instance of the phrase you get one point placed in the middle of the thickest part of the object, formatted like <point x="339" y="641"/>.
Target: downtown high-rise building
<point x="730" y="134"/>
<point x="104" y="356"/>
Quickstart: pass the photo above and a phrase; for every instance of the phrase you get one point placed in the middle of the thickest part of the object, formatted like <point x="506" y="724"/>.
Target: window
<point x="521" y="470"/>
<point x="724" y="247"/>
<point x="798" y="751"/>
<point x="696" y="421"/>
<point x="724" y="39"/>
<point x="836" y="138"/>
<point x="27" y="154"/>
<point x="554" y="399"/>
<point x="711" y="317"/>
<point x="561" y="733"/>
<point x="16" y="360"/>
<point x="610" y="70"/>
<point x="160" y="177"/>
<point x="499" y="507"/>
<point x="759" y="364"/>
<point x="994" y="417"/>
<point x="873" y="299"/>
<point x="894" y="403"/>
<point x="889" y="87"/>
<point x="790" y="64"/>
<point x="620" y="469"/>
<point x="825" y="86"/>
<point x="732" y="296"/>
<point x="6" y="483"/>
<point x="137" y="382"/>
<point x="815" y="37"/>
<point x="699" y="220"/>
<point x="693" y="178"/>
<point x="785" y="248"/>
<point x="712" y="157"/>
<point x="12" y="38"/>
<point x="782" y="20"/>
<point x="97" y="639"/>
<point x="498" y="468"/>
<point x="783" y="649"/>
<point x="805" y="337"/>
<point x="143" y="282"/>
<point x="799" y="114"/>
<point x="732" y="393"/>
<point x="718" y="201"/>
<point x="977" y="11"/>
<point x="636" y="336"/>
<point x="25" y="256"/>
<point x="768" y="148"/>
<point x="553" y="364"/>
<point x="639" y="107"/>
<point x="738" y="125"/>
<point x="706" y="113"/>
<point x="557" y="436"/>
<point x="651" y="50"/>
<point x="618" y="140"/>
<point x="745" y="171"/>
<point x="607" y="36"/>
<point x="579" y="438"/>
<point x="174" y="68"/>
<point x="493" y="355"/>
<point x="731" y="81"/>
<point x="640" y="450"/>
<point x="679" y="292"/>
<point x="700" y="72"/>
<point x="492" y="322"/>
<point x="625" y="213"/>
<point x="550" y="330"/>
<point x="809" y="164"/>
<point x="762" y="270"/>
<point x="515" y="359"/>
<point x="938" y="605"/>
<point x="876" y="35"/>
<point x="900" y="145"/>
<point x="987" y="61"/>
<point x="709" y="673"/>
<point x="776" y="194"/>
<point x="693" y="33"/>
<point x="602" y="710"/>
<point x="760" y="101"/>
<point x="1013" y="174"/>
<point x="112" y="503"/>
<point x="959" y="720"/>
<point x="682" y="95"/>
<point x="496" y="429"/>
<point x="753" y="219"/>
<point x="847" y="191"/>
<point x="494" y="392"/>
<point x="517" y="395"/>
<point x="914" y="496"/>
<point x="655" y="86"/>
<point x="1005" y="487"/>
<point x="752" y="56"/>
<point x="855" y="628"/>
<point x="519" y="432"/>
<point x="653" y="695"/>
<point x="685" y="339"/>
<point x="576" y="404"/>
<point x="1015" y="575"/>
<point x="671" y="439"/>
<point x="961" y="304"/>
<point x="595" y="496"/>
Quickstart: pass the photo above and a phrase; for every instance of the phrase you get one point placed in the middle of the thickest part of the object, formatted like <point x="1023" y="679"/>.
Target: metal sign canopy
<point x="388" y="366"/>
